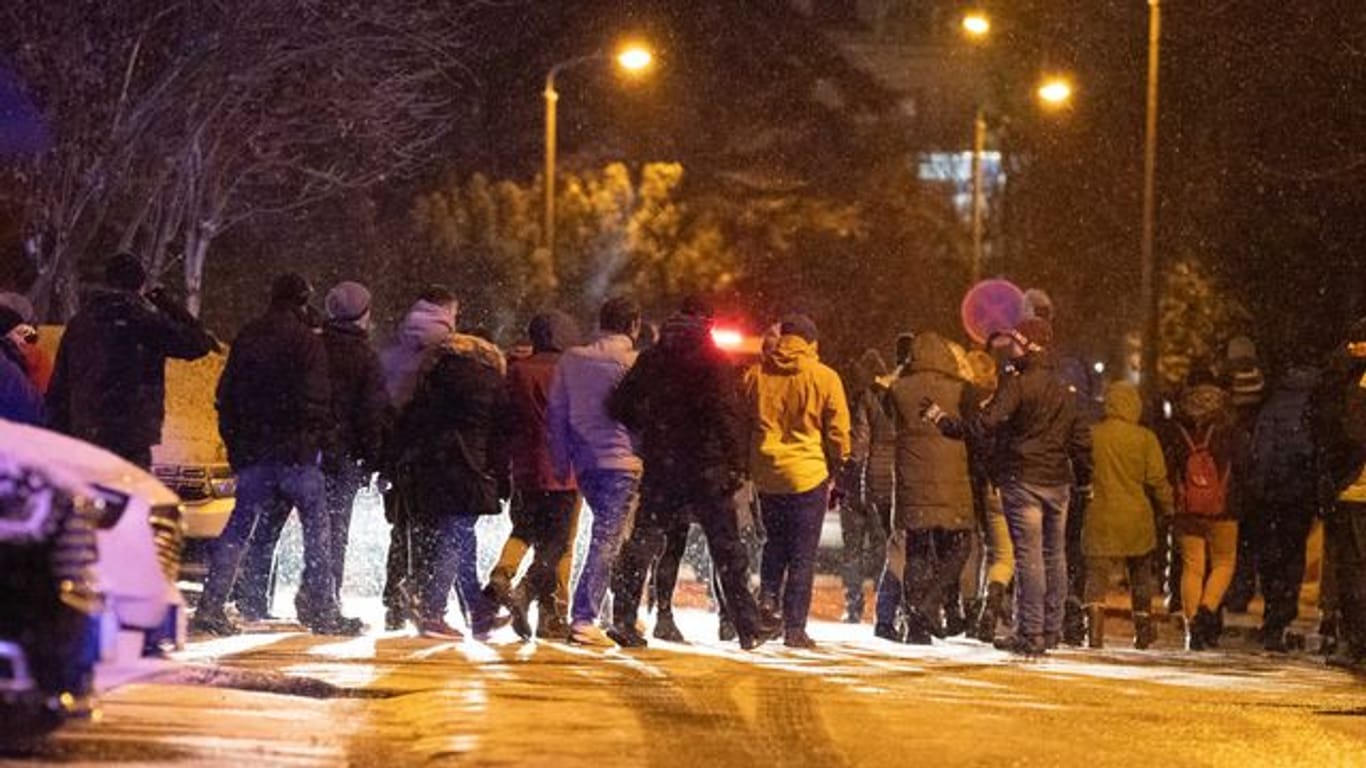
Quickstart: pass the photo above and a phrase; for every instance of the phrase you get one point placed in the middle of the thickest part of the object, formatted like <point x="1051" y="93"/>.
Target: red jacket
<point x="528" y="389"/>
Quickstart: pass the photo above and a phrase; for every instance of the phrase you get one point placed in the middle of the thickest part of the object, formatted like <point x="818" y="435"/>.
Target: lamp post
<point x="1148" y="291"/>
<point x="631" y="58"/>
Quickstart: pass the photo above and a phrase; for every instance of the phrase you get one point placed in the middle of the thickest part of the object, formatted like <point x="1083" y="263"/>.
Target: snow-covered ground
<point x="389" y="699"/>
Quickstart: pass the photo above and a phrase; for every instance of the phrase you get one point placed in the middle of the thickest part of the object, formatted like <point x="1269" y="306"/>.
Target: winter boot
<point x="1073" y="622"/>
<point x="666" y="629"/>
<point x="992" y="606"/>
<point x="1095" y="626"/>
<point x="1145" y="632"/>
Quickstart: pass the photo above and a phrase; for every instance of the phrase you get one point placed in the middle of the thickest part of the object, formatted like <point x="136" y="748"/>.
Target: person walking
<point x="586" y="442"/>
<point x="426" y="325"/>
<point x="1120" y="535"/>
<point x="865" y="516"/>
<point x="450" y="441"/>
<point x="1286" y="481"/>
<point x="274" y="411"/>
<point x="934" y="490"/>
<point x="109" y="380"/>
<point x="1203" y="450"/>
<point x="799" y="439"/>
<point x="682" y="402"/>
<point x="1042" y="449"/>
<point x="544" y="509"/>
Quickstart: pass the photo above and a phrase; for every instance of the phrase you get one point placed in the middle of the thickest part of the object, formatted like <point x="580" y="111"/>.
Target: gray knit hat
<point x="347" y="302"/>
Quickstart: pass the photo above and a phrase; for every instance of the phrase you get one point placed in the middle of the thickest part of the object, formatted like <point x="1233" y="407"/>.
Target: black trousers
<point x="662" y="512"/>
<point x="934" y="564"/>
<point x="1283" y="532"/>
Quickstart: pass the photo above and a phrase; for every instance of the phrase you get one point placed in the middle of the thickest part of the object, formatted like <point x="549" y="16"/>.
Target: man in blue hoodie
<point x="585" y="440"/>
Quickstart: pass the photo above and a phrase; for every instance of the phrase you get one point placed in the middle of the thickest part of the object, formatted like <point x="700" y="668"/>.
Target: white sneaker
<point x="591" y="635"/>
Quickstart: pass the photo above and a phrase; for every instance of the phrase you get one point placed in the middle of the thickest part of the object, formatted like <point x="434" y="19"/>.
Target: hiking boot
<point x="797" y="638"/>
<point x="590" y="635"/>
<point x="213" y="622"/>
<point x="1145" y="631"/>
<point x="337" y="625"/>
<point x="438" y="629"/>
<point x="985" y="630"/>
<point x="667" y="630"/>
<point x="1021" y="646"/>
<point x="888" y="632"/>
<point x="627" y="636"/>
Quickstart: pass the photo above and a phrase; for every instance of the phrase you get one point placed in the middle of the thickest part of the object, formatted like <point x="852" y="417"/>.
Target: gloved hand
<point x="931" y="411"/>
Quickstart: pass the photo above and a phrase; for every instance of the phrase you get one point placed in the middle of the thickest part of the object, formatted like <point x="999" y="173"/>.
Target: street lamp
<point x="632" y="58"/>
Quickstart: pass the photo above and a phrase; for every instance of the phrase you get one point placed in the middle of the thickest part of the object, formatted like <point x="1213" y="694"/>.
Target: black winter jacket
<point x="1039" y="436"/>
<point x="682" y="402"/>
<point x="274" y="399"/>
<point x="109" y="381"/>
<point x="360" y="403"/>
<point x="452" y="438"/>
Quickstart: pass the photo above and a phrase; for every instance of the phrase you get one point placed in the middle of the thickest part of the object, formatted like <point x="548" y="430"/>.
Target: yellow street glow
<point x="1055" y="91"/>
<point x="635" y="58"/>
<point x="976" y="24"/>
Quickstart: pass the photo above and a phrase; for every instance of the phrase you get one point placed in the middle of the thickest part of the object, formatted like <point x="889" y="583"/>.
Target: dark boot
<point x="1145" y="631"/>
<point x="992" y="606"/>
<point x="1095" y="626"/>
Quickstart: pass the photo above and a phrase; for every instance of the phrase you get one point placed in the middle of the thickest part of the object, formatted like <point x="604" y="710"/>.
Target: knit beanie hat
<point x="347" y="302"/>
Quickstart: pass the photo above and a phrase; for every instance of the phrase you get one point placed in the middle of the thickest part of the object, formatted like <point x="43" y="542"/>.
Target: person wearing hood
<point x="427" y="324"/>
<point x="20" y="399"/>
<point x="1119" y="537"/>
<point x="452" y="443"/>
<point x="1285" y="479"/>
<point x="799" y="437"/>
<point x="274" y="413"/>
<point x="934" y="491"/>
<point x="109" y="381"/>
<point x="351" y="448"/>
<point x="588" y="443"/>
<point x="681" y="401"/>
<point x="1042" y="448"/>
<point x="544" y="507"/>
<point x="1203" y="449"/>
<point x="866" y="515"/>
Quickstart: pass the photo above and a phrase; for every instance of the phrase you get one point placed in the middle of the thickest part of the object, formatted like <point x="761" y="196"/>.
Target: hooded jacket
<point x="360" y="403"/>
<point x="528" y="385"/>
<point x="1129" y="477"/>
<point x="934" y="489"/>
<point x="581" y="435"/>
<point x="274" y="397"/>
<point x="109" y="381"/>
<point x="452" y="433"/>
<point x="682" y="402"/>
<point x="424" y="327"/>
<point x="799" y="419"/>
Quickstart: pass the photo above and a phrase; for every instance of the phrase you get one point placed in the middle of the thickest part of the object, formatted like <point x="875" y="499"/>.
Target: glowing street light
<point x="976" y="25"/>
<point x="1055" y="91"/>
<point x="633" y="58"/>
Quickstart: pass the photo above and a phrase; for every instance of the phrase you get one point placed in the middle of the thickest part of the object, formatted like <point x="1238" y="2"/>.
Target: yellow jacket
<point x="800" y="420"/>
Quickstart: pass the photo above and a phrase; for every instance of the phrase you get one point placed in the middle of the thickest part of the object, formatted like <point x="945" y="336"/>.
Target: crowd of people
<point x="997" y="486"/>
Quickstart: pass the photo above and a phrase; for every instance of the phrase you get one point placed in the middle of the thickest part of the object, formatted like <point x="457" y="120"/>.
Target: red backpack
<point x="1203" y="490"/>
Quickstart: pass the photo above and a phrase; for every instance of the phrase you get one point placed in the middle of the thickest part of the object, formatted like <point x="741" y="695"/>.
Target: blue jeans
<point x="1037" y="516"/>
<point x="453" y="559"/>
<point x="263" y="491"/>
<point x="613" y="496"/>
<point x="793" y="523"/>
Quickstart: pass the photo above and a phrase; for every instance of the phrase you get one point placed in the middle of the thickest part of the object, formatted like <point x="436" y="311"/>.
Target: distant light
<point x="976" y="24"/>
<point x="727" y="338"/>
<point x="1055" y="91"/>
<point x="1099" y="367"/>
<point x="635" y="58"/>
